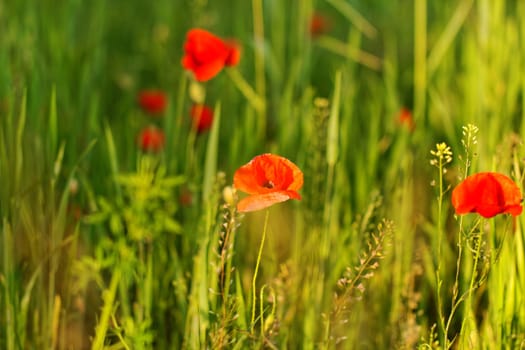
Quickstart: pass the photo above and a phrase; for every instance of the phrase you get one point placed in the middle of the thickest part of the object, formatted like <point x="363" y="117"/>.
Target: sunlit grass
<point x="105" y="245"/>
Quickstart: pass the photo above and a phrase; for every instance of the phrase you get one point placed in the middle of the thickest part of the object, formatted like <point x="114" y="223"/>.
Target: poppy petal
<point x="261" y="201"/>
<point x="203" y="72"/>
<point x="202" y="117"/>
<point x="234" y="54"/>
<point x="487" y="194"/>
<point x="511" y="191"/>
<point x="245" y="180"/>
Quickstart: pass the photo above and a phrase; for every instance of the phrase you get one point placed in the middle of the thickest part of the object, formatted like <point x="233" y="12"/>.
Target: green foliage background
<point x="98" y="251"/>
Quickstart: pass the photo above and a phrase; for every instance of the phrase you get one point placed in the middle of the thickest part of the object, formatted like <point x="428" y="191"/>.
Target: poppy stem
<point x="474" y="284"/>
<point x="253" y="98"/>
<point x="254" y="294"/>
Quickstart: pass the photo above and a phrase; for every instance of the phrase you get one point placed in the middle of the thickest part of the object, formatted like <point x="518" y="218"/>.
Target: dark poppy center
<point x="268" y="184"/>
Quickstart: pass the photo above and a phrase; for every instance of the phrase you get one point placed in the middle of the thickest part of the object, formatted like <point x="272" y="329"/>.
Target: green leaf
<point x="210" y="166"/>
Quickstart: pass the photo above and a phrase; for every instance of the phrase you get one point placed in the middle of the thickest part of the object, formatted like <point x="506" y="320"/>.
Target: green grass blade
<point x="212" y="150"/>
<point x="112" y="156"/>
<point x="354" y="16"/>
<point x="7" y="279"/>
<point x="449" y="34"/>
<point x="53" y="132"/>
<point x="332" y="148"/>
<point x="420" y="58"/>
<point x="19" y="158"/>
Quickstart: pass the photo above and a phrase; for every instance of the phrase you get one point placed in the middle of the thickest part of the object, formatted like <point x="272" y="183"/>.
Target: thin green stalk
<point x="109" y="300"/>
<point x="456" y="302"/>
<point x="469" y="140"/>
<point x="53" y="133"/>
<point x="443" y="156"/>
<point x="473" y="277"/>
<point x="173" y="125"/>
<point x="10" y="326"/>
<point x="227" y="257"/>
<point x="440" y="242"/>
<point x="347" y="50"/>
<point x="455" y="288"/>
<point x="124" y="298"/>
<point x="255" y="99"/>
<point x="260" y="71"/>
<point x="332" y="155"/>
<point x="449" y="34"/>
<point x="146" y="258"/>
<point x="420" y="57"/>
<point x="254" y="280"/>
<point x="261" y="307"/>
<point x="357" y="19"/>
<point x="149" y="282"/>
<point x="212" y="152"/>
<point x="438" y="270"/>
<point x="190" y="152"/>
<point x="19" y="152"/>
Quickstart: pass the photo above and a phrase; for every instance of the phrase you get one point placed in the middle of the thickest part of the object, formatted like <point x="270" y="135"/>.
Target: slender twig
<point x="254" y="293"/>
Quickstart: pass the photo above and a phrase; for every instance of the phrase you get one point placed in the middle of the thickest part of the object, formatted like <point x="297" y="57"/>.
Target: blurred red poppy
<point x="185" y="197"/>
<point x="153" y="101"/>
<point x="487" y="194"/>
<point x="268" y="179"/>
<point x="405" y="118"/>
<point x="319" y="24"/>
<point x="234" y="54"/>
<point x="202" y="117"/>
<point x="206" y="54"/>
<point x="151" y="139"/>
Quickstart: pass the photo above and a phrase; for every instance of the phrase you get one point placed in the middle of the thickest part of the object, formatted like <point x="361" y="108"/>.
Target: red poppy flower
<point x="405" y="118"/>
<point x="234" y="54"/>
<point x="487" y="194"/>
<point x="268" y="179"/>
<point x="202" y="117"/>
<point x="185" y="197"/>
<point x="151" y="139"/>
<point x="153" y="101"/>
<point x="206" y="54"/>
<point x="319" y="25"/>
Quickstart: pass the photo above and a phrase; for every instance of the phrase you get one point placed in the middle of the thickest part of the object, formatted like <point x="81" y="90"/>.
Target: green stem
<point x="229" y="241"/>
<point x="261" y="310"/>
<point x="473" y="278"/>
<point x="255" y="99"/>
<point x="148" y="288"/>
<point x="109" y="299"/>
<point x="173" y="125"/>
<point x="347" y="50"/>
<point x="420" y="57"/>
<point x="10" y="325"/>
<point x="439" y="257"/>
<point x="259" y="63"/>
<point x="254" y="292"/>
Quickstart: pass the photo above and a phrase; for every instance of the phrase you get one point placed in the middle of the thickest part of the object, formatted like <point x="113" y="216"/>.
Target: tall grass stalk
<point x="109" y="296"/>
<point x="254" y="99"/>
<point x="259" y="63"/>
<point x="420" y="58"/>
<point x="332" y="155"/>
<point x="443" y="156"/>
<point x="8" y="288"/>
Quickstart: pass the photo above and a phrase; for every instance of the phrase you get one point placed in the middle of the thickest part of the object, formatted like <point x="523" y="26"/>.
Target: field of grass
<point x="385" y="107"/>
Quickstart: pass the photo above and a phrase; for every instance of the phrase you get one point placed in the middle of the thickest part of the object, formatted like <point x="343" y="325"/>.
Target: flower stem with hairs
<point x="254" y="280"/>
<point x="443" y="156"/>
